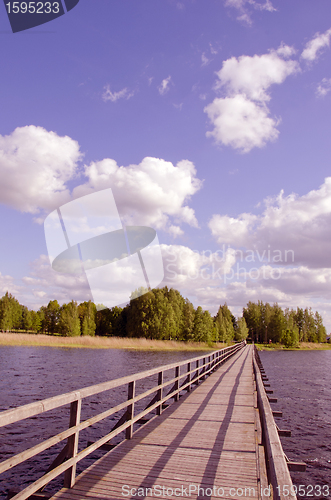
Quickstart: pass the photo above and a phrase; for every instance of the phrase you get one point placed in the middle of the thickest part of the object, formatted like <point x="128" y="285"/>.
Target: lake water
<point x="29" y="374"/>
<point x="300" y="380"/>
<point x="301" y="383"/>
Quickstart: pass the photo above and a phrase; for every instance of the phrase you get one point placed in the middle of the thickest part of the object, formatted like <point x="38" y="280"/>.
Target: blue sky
<point x="209" y="120"/>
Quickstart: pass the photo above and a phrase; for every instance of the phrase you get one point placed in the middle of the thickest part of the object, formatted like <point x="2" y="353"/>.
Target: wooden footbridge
<point x="217" y="439"/>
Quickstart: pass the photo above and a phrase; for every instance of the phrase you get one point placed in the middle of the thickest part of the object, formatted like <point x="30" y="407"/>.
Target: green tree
<point x="224" y="324"/>
<point x="202" y="326"/>
<point x="320" y="328"/>
<point x="187" y="321"/>
<point x="69" y="324"/>
<point x="241" y="332"/>
<point x="252" y="315"/>
<point x="36" y="321"/>
<point x="10" y="313"/>
<point x="52" y="316"/>
<point x="277" y="324"/>
<point x="27" y="319"/>
<point x="87" y="314"/>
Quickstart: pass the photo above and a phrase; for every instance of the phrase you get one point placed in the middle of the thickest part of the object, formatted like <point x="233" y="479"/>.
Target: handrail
<point x="193" y="375"/>
<point x="279" y="475"/>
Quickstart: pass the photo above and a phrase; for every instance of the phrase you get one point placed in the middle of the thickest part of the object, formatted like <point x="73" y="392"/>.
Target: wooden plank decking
<point x="208" y="439"/>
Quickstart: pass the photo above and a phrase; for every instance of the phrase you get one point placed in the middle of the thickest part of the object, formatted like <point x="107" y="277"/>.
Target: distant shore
<point x="303" y="346"/>
<point x="31" y="339"/>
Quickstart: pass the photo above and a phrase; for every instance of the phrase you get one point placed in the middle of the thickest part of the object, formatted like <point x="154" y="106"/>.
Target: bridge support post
<point x="197" y="372"/>
<point x="159" y="392"/>
<point x="188" y="377"/>
<point x="72" y="443"/>
<point x="130" y="409"/>
<point x="176" y="397"/>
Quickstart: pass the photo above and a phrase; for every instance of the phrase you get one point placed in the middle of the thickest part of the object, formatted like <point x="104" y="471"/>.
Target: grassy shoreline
<point x="303" y="346"/>
<point x="30" y="339"/>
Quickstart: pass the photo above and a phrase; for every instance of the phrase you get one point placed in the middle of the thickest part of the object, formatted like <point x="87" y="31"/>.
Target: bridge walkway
<point x="207" y="440"/>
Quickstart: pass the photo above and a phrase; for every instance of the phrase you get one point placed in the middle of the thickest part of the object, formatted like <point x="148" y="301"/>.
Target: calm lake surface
<point x="301" y="383"/>
<point x="300" y="380"/>
<point x="29" y="374"/>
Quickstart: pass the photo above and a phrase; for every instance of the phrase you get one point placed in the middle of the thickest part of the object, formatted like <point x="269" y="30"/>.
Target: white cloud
<point x="252" y="76"/>
<point x="324" y="87"/>
<point x="44" y="284"/>
<point x="204" y="59"/>
<point x="232" y="231"/>
<point x="315" y="46"/>
<point x="241" y="123"/>
<point x="245" y="7"/>
<point x="213" y="50"/>
<point x="165" y="85"/>
<point x="151" y="193"/>
<point x="241" y="118"/>
<point x="187" y="269"/>
<point x="108" y="95"/>
<point x="34" y="166"/>
<point x="298" y="226"/>
<point x="7" y="284"/>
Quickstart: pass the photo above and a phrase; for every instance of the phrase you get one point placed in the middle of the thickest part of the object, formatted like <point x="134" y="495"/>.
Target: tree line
<point x="268" y="323"/>
<point x="163" y="314"/>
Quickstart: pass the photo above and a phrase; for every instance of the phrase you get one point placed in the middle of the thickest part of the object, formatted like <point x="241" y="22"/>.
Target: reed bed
<point x="303" y="346"/>
<point x="30" y="339"/>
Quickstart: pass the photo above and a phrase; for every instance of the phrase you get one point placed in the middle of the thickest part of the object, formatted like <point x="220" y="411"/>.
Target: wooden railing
<point x="196" y="370"/>
<point x="277" y="467"/>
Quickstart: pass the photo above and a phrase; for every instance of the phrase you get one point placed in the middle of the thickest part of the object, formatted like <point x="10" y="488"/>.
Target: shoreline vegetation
<point x="41" y="340"/>
<point x="161" y="317"/>
<point x="139" y="344"/>
<point x="302" y="346"/>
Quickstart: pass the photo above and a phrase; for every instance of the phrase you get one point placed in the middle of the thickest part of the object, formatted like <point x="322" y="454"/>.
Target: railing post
<point x="130" y="409"/>
<point x="72" y="443"/>
<point x="159" y="392"/>
<point x="189" y="377"/>
<point x="198" y="371"/>
<point x="176" y="397"/>
<point x="203" y="368"/>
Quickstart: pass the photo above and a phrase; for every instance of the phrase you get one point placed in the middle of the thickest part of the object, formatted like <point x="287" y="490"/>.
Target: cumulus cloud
<point x="323" y="87"/>
<point x="315" y="46"/>
<point x="252" y="76"/>
<point x="187" y="268"/>
<point x="241" y="123"/>
<point x="152" y="193"/>
<point x="245" y="7"/>
<point x="165" y="85"/>
<point x="35" y="165"/>
<point x="241" y="118"/>
<point x="108" y="95"/>
<point x="295" y="228"/>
